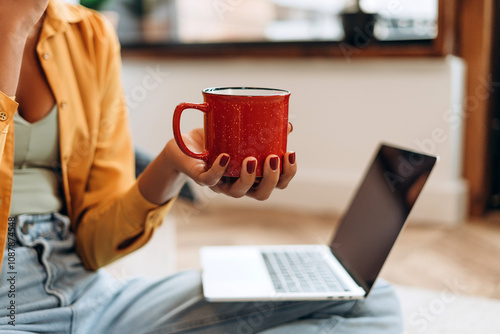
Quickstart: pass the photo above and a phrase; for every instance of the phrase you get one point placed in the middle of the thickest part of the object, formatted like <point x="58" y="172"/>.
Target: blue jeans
<point x="44" y="288"/>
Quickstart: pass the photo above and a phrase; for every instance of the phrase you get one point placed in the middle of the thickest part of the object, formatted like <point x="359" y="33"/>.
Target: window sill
<point x="421" y="48"/>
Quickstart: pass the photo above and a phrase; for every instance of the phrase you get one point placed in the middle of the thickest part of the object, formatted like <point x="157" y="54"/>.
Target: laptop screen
<point x="378" y="211"/>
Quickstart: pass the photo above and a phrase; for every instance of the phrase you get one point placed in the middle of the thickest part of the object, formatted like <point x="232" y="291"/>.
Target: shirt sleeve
<point x="114" y="218"/>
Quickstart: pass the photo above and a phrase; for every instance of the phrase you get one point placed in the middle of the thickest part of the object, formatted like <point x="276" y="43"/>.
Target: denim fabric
<point x="44" y="288"/>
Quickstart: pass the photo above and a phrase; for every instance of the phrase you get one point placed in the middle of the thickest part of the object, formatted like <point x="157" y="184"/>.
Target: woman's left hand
<point x="247" y="184"/>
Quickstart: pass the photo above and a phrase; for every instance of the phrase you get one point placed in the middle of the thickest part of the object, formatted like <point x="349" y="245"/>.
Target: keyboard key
<point x="300" y="272"/>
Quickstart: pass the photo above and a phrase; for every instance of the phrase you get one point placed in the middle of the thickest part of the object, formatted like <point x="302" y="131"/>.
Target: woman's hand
<point x="18" y="20"/>
<point x="166" y="175"/>
<point x="246" y="184"/>
<point x="20" y="16"/>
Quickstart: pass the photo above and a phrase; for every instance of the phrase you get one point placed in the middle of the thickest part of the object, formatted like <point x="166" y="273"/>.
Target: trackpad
<point x="234" y="271"/>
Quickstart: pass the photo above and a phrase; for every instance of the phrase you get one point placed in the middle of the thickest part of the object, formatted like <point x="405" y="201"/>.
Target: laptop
<point x="346" y="268"/>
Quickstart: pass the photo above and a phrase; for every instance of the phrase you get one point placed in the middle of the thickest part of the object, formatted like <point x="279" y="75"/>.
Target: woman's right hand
<point x="18" y="21"/>
<point x="20" y="16"/>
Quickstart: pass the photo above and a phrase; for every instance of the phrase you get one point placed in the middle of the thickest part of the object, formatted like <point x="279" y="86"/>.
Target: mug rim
<point x="215" y="91"/>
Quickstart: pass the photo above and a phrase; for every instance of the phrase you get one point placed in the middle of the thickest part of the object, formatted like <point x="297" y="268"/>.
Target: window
<point x="255" y="26"/>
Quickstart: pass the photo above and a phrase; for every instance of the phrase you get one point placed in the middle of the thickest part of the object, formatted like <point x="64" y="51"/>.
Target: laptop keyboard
<point x="300" y="271"/>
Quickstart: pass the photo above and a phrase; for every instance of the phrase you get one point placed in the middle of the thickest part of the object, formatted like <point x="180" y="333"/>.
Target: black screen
<point x="379" y="210"/>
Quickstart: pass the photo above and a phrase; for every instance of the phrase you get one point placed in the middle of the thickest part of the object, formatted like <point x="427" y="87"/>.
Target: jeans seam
<point x="72" y="329"/>
<point x="44" y="260"/>
<point x="214" y="320"/>
<point x="331" y="323"/>
<point x="357" y="305"/>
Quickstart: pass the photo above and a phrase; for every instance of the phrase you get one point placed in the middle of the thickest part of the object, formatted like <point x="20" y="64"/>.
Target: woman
<point x="70" y="203"/>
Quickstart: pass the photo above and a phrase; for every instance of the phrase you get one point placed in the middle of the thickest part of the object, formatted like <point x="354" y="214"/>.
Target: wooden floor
<point x="463" y="259"/>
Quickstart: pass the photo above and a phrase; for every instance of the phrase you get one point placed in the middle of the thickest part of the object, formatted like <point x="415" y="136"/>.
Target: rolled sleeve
<point x="134" y="221"/>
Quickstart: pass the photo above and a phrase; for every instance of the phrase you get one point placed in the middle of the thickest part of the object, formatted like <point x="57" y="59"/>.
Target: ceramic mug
<point x="242" y="122"/>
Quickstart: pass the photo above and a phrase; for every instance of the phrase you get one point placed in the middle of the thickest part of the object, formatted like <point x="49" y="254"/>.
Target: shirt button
<point x="153" y="217"/>
<point x="3" y="116"/>
<point x="63" y="105"/>
<point x="45" y="55"/>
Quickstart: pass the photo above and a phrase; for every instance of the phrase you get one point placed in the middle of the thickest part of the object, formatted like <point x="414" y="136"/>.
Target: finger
<point x="289" y="170"/>
<point x="245" y="181"/>
<point x="212" y="176"/>
<point x="269" y="180"/>
<point x="238" y="187"/>
<point x="290" y="127"/>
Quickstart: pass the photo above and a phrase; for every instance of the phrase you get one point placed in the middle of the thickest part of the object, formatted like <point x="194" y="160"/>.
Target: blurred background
<point x="419" y="74"/>
<point x="360" y="72"/>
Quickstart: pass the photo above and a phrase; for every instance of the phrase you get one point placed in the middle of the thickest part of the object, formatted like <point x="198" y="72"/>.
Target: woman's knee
<point x="383" y="304"/>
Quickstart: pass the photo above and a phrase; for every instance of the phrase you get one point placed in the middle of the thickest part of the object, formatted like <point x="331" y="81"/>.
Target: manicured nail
<point x="251" y="166"/>
<point x="291" y="127"/>
<point x="224" y="160"/>
<point x="274" y="163"/>
<point x="291" y="158"/>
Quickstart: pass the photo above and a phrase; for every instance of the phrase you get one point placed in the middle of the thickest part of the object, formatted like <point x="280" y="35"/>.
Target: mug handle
<point x="177" y="130"/>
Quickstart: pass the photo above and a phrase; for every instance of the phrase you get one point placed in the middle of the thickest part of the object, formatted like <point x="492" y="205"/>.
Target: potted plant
<point x="155" y="18"/>
<point x="358" y="25"/>
<point x="93" y="4"/>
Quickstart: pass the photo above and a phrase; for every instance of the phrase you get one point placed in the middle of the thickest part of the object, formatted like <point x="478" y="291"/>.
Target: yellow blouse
<point x="80" y="55"/>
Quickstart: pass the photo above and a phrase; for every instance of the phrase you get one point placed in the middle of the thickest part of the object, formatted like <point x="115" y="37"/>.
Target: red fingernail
<point x="251" y="166"/>
<point x="274" y="163"/>
<point x="224" y="160"/>
<point x="291" y="127"/>
<point x="291" y="158"/>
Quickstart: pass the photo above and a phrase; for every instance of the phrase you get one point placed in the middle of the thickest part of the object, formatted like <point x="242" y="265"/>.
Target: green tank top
<point x="37" y="176"/>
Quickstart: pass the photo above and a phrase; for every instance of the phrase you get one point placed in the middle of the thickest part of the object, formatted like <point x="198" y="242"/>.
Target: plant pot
<point x="358" y="28"/>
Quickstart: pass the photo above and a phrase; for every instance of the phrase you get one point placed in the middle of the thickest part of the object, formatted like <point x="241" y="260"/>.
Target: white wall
<point x="340" y="111"/>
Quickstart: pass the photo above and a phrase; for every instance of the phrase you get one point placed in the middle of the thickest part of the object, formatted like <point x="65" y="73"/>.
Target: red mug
<point x="242" y="122"/>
